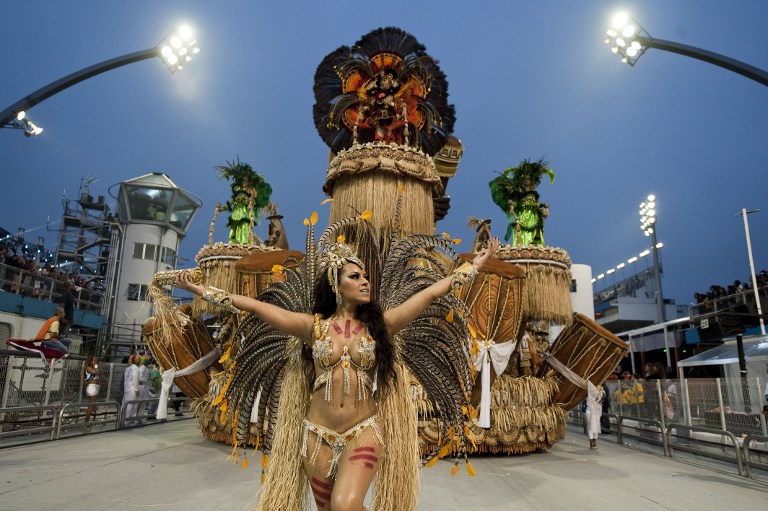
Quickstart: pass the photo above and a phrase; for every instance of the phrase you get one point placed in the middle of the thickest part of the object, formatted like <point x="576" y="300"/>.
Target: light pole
<point x="744" y="213"/>
<point x="648" y="225"/>
<point x="630" y="41"/>
<point x="176" y="49"/>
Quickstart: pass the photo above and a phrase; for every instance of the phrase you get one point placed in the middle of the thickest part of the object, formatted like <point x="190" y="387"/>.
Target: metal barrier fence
<point x="733" y="405"/>
<point x="45" y="400"/>
<point x="26" y="379"/>
<point x="715" y="418"/>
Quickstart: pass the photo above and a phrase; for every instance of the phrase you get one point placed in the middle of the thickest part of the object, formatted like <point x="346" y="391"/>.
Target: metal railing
<point x="713" y="418"/>
<point x="45" y="400"/>
<point x="755" y="456"/>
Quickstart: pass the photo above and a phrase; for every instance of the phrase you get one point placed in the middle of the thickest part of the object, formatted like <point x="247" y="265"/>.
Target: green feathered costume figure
<point x="250" y="193"/>
<point x="514" y="191"/>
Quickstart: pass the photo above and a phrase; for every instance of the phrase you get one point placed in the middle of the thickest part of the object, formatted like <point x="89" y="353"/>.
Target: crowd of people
<point x="716" y="291"/>
<point x="25" y="276"/>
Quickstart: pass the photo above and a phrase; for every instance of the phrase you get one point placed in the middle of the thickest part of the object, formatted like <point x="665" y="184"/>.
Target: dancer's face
<point x="353" y="285"/>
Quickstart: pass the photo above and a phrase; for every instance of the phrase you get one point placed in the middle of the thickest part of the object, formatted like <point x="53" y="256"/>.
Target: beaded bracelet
<point x="220" y="298"/>
<point x="462" y="275"/>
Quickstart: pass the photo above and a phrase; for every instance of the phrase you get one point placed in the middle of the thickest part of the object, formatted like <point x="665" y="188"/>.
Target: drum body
<point x="587" y="349"/>
<point x="186" y="347"/>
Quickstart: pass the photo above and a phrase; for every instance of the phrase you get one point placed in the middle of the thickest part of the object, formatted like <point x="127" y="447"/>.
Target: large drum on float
<point x="494" y="297"/>
<point x="587" y="349"/>
<point x="185" y="347"/>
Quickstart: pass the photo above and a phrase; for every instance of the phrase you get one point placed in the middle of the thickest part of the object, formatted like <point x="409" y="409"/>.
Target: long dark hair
<point x="371" y="315"/>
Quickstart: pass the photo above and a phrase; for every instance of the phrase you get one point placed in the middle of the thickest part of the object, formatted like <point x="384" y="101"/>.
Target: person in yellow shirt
<point x="50" y="336"/>
<point x="630" y="391"/>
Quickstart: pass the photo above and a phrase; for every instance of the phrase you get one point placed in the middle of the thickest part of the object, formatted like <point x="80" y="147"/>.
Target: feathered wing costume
<point x="385" y="87"/>
<point x="276" y="370"/>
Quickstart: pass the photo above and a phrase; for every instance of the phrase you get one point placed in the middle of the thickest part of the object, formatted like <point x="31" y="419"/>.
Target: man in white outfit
<point x="595" y="396"/>
<point x="131" y="388"/>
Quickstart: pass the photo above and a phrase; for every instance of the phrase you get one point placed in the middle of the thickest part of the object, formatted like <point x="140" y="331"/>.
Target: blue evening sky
<point x="528" y="78"/>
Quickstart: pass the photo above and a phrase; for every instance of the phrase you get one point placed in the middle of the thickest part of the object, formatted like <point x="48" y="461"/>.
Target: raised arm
<point x="291" y="323"/>
<point x="407" y="311"/>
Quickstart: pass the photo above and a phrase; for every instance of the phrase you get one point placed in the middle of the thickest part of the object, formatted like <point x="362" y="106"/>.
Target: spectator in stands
<point x="91" y="374"/>
<point x="50" y="334"/>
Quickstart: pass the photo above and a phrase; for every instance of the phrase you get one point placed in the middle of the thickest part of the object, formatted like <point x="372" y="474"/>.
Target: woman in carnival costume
<point x="355" y="421"/>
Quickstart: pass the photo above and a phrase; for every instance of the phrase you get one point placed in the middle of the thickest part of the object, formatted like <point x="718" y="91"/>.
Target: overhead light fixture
<point x="627" y="39"/>
<point x="30" y="128"/>
<point x="177" y="48"/>
<point x="22" y="122"/>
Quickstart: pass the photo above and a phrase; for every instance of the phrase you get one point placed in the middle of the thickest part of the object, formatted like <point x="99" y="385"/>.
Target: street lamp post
<point x="648" y="225"/>
<point x="630" y="41"/>
<point x="175" y="50"/>
<point x="744" y="213"/>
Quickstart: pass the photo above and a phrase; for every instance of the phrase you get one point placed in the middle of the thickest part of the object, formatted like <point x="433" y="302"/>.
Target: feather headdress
<point x="385" y="87"/>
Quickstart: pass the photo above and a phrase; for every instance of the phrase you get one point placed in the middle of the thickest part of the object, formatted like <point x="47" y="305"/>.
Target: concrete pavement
<point x="170" y="466"/>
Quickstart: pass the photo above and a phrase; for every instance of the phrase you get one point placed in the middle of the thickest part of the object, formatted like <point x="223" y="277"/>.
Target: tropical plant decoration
<point x="515" y="191"/>
<point x="250" y="193"/>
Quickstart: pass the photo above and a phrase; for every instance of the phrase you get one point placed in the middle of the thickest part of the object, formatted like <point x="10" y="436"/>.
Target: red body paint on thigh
<point x="322" y="492"/>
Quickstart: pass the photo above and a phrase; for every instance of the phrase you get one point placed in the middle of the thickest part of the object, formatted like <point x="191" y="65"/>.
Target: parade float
<point x="381" y="107"/>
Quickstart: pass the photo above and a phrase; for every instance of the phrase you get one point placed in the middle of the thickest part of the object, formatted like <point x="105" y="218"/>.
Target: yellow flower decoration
<point x="366" y="215"/>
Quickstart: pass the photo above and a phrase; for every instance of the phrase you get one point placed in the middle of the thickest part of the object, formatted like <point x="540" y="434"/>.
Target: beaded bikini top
<point x="322" y="351"/>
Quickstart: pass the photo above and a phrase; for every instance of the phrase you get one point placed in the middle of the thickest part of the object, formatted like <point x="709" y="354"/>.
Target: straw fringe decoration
<point x="397" y="480"/>
<point x="523" y="418"/>
<point x="285" y="486"/>
<point x="356" y="193"/>
<point x="547" y="293"/>
<point x="170" y="320"/>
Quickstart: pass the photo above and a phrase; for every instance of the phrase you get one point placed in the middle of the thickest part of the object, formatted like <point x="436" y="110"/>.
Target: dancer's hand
<point x="480" y="259"/>
<point x="183" y="281"/>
